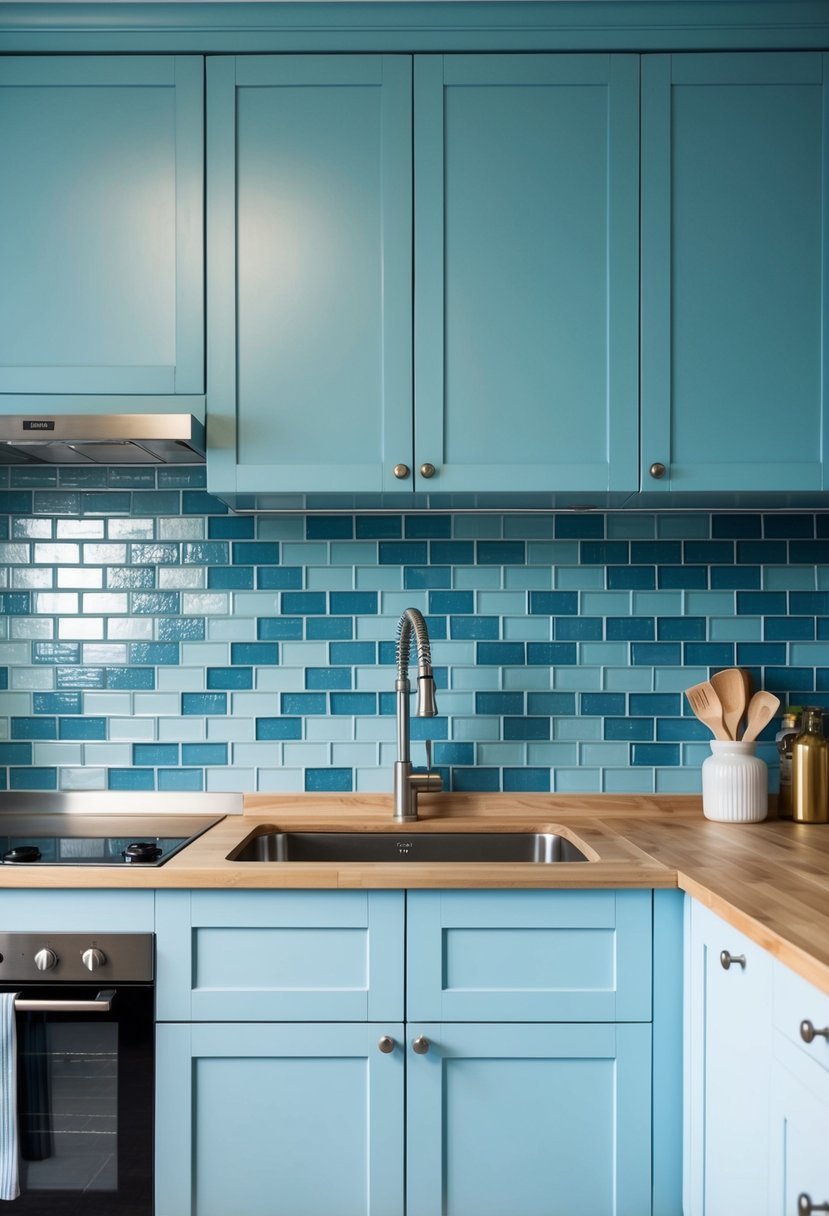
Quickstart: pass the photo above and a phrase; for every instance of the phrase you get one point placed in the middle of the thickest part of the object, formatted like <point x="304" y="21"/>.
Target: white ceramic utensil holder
<point x="735" y="783"/>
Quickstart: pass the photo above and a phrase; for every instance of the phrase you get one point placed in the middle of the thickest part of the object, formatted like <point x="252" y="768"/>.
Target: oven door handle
<point x="101" y="1004"/>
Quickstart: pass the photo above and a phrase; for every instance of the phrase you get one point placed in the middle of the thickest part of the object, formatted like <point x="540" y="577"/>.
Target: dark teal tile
<point x="229" y="678"/>
<point x="656" y="654"/>
<point x="681" y="629"/>
<point x="656" y="552"/>
<point x="196" y="502"/>
<point x="254" y="654"/>
<point x="135" y="678"/>
<point x="736" y="527"/>
<point x="526" y="728"/>
<point x="255" y="553"/>
<point x="204" y="753"/>
<point x="230" y="578"/>
<point x="231" y="527"/>
<point x="205" y="553"/>
<point x="153" y="754"/>
<point x="809" y="603"/>
<point x="331" y="779"/>
<point x="709" y="654"/>
<point x="91" y="729"/>
<point x="554" y="603"/>
<point x="475" y="780"/>
<point x="203" y="703"/>
<point x="278" y="728"/>
<point x="303" y="703"/>
<point x="180" y="629"/>
<point x="420" y="578"/>
<point x="155" y="502"/>
<point x="154" y="654"/>
<point x="709" y="552"/>
<point x="34" y="728"/>
<point x="628" y="729"/>
<point x="499" y="654"/>
<point x="656" y="703"/>
<point x="353" y="653"/>
<point x="554" y="654"/>
<point x="454" y="753"/>
<point x="526" y="780"/>
<point x="33" y="779"/>
<point x="329" y="527"/>
<point x="428" y="527"/>
<point x="602" y="704"/>
<point x="578" y="629"/>
<point x="789" y="679"/>
<point x="354" y="703"/>
<point x="501" y="552"/>
<point x="428" y="728"/>
<point x="403" y="553"/>
<point x="15" y="753"/>
<point x="630" y="629"/>
<point x="761" y="603"/>
<point x="57" y="702"/>
<point x="758" y="654"/>
<point x="379" y="527"/>
<point x="579" y="527"/>
<point x="735" y="578"/>
<point x="809" y="552"/>
<point x="605" y="553"/>
<point x="15" y="502"/>
<point x="655" y="754"/>
<point x="683" y="578"/>
<point x="353" y="603"/>
<point x="15" y="603"/>
<point x="317" y="678"/>
<point x="451" y="553"/>
<point x="499" y="702"/>
<point x="762" y="552"/>
<point x="130" y="779"/>
<point x="278" y="578"/>
<point x="182" y="477"/>
<point x="478" y="628"/>
<point x="631" y="578"/>
<point x="682" y="730"/>
<point x="329" y="628"/>
<point x="789" y="629"/>
<point x="451" y="602"/>
<point x="279" y="628"/>
<point x="304" y="603"/>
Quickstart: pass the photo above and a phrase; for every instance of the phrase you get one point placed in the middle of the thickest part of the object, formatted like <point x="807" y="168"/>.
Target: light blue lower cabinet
<point x="279" y="1120"/>
<point x="536" y="1119"/>
<point x="799" y="1119"/>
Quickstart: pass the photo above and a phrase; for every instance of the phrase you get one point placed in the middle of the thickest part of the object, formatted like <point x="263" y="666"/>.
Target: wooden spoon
<point x="761" y="710"/>
<point x="730" y="688"/>
<point x="707" y="706"/>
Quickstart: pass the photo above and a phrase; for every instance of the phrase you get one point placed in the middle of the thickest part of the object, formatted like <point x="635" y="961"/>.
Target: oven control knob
<point x="46" y="959"/>
<point x="93" y="959"/>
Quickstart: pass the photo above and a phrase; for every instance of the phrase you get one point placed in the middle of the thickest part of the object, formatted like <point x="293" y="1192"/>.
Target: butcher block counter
<point x="770" y="880"/>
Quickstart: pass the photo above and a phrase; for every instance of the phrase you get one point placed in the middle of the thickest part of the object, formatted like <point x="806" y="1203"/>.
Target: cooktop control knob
<point x="93" y="959"/>
<point x="46" y="959"/>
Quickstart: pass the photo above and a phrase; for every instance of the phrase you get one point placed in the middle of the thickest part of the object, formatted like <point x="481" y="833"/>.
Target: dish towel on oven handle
<point x="9" y="1176"/>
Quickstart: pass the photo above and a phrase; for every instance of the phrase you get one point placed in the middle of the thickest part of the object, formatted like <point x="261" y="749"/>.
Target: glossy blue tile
<point x="80" y="677"/>
<point x="82" y="728"/>
<point x="15" y="753"/>
<point x="353" y="653"/>
<point x="656" y="552"/>
<point x="526" y="780"/>
<point x="155" y="502"/>
<point x="154" y="754"/>
<point x="451" y="602"/>
<point x="184" y="780"/>
<point x="809" y="552"/>
<point x="657" y="704"/>
<point x="154" y="654"/>
<point x="735" y="578"/>
<point x="230" y="578"/>
<point x="133" y="678"/>
<point x="423" y="527"/>
<point x="639" y="729"/>
<point x="204" y="753"/>
<point x="511" y="654"/>
<point x="353" y="603"/>
<point x="181" y="629"/>
<point x="255" y="553"/>
<point x="761" y="603"/>
<point x="630" y="629"/>
<point x="203" y="703"/>
<point x="330" y="779"/>
<point x="56" y="652"/>
<point x="229" y="678"/>
<point x="762" y="552"/>
<point x="789" y="526"/>
<point x="631" y="578"/>
<point x="15" y="603"/>
<point x="736" y="527"/>
<point x="181" y="477"/>
<point x="428" y="728"/>
<point x="476" y="780"/>
<point x="454" y="753"/>
<point x="562" y="704"/>
<point x="4" y="679"/>
<point x="452" y="553"/>
<point x="478" y="628"/>
<point x="500" y="552"/>
<point x="421" y="578"/>
<point x="279" y="628"/>
<point x="254" y="654"/>
<point x="304" y="603"/>
<point x="527" y="728"/>
<point x="33" y="779"/>
<point x="578" y="629"/>
<point x="329" y="527"/>
<point x="403" y="553"/>
<point x="554" y="603"/>
<point x="681" y="629"/>
<point x="317" y="678"/>
<point x="789" y="629"/>
<point x="15" y="502"/>
<point x="34" y="728"/>
<point x="329" y="628"/>
<point x="605" y="553"/>
<point x="231" y="527"/>
<point x="580" y="527"/>
<point x="656" y="654"/>
<point x="379" y="527"/>
<point x="682" y="730"/>
<point x="130" y="779"/>
<point x="789" y="679"/>
<point x="499" y="702"/>
<point x="683" y="578"/>
<point x="155" y="603"/>
<point x="708" y="552"/>
<point x="809" y="603"/>
<point x="196" y="502"/>
<point x="57" y="702"/>
<point x="655" y="754"/>
<point x="554" y="654"/>
<point x="354" y="703"/>
<point x="278" y="728"/>
<point x="279" y="578"/>
<point x="303" y="703"/>
<point x="709" y="654"/>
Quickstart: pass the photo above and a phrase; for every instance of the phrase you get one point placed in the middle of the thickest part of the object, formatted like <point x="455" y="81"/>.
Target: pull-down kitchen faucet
<point x="407" y="783"/>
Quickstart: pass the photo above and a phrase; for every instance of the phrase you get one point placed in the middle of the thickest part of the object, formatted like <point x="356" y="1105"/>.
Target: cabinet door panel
<point x="279" y="1120"/>
<point x="799" y="1114"/>
<point x="526" y="254"/>
<point x="733" y="270"/>
<point x="101" y="226"/>
<point x="545" y="1120"/>
<point x="309" y="232"/>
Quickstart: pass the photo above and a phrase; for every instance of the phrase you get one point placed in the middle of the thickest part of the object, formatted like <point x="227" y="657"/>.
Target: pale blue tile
<point x="553" y="553"/>
<point x="577" y="781"/>
<point x="709" y="603"/>
<point x="607" y="603"/>
<point x="579" y="578"/>
<point x="627" y="526"/>
<point x="788" y="578"/>
<point x="603" y="654"/>
<point x="683" y="527"/>
<point x="735" y="629"/>
<point x="658" y="603"/>
<point x="475" y="578"/>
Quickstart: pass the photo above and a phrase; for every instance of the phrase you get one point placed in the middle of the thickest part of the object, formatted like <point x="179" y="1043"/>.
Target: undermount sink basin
<point x="272" y="845"/>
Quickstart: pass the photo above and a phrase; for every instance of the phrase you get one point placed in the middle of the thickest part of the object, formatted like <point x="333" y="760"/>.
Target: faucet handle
<point x="428" y="743"/>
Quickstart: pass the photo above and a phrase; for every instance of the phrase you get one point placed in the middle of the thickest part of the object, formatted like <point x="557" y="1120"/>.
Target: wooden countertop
<point x="769" y="880"/>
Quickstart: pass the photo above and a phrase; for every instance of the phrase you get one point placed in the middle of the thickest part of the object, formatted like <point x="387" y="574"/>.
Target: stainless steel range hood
<point x="101" y="439"/>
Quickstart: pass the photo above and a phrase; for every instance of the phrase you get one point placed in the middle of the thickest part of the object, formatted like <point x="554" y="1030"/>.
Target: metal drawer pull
<point x="805" y="1206"/>
<point x="727" y="959"/>
<point x="420" y="1045"/>
<point x="807" y="1034"/>
<point x="101" y="1004"/>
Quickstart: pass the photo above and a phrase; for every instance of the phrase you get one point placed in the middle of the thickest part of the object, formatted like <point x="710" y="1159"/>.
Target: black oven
<point x="84" y="1023"/>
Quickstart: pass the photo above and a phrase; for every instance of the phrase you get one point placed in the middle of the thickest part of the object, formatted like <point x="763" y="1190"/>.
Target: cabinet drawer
<point x="535" y="956"/>
<point x="797" y="1001"/>
<point x="280" y="955"/>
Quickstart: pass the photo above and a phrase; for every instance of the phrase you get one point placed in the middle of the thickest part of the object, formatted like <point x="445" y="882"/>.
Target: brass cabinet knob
<point x="420" y="1045"/>
<point x="401" y="471"/>
<point x="657" y="470"/>
<point x="808" y="1033"/>
<point x="727" y="959"/>
<point x="386" y="1044"/>
<point x="427" y="470"/>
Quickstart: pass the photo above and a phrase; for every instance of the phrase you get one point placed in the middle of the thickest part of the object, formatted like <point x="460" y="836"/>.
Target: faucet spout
<point x="407" y="783"/>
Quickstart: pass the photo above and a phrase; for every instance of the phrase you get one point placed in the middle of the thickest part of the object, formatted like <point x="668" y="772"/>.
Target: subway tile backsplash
<point x="150" y="639"/>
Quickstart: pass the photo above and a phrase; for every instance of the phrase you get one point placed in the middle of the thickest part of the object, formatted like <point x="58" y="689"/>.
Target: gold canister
<point x="810" y="770"/>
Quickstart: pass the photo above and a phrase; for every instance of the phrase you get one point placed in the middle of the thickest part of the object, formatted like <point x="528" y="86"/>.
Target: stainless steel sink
<point x="269" y="844"/>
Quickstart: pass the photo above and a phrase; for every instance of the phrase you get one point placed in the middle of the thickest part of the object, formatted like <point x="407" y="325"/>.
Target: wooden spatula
<point x="707" y="706"/>
<point x="761" y="710"/>
<point x="730" y="688"/>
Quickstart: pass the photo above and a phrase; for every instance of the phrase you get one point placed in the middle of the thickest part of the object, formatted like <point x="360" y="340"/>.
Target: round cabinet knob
<point x="46" y="959"/>
<point x="657" y="469"/>
<point x="808" y="1032"/>
<point x="386" y="1044"/>
<point x="92" y="959"/>
<point x="427" y="470"/>
<point x="401" y="471"/>
<point x="420" y="1045"/>
<point x="727" y="959"/>
<point x="805" y="1206"/>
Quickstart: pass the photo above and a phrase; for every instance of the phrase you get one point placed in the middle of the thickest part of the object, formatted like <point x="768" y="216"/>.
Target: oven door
<point x="85" y="1099"/>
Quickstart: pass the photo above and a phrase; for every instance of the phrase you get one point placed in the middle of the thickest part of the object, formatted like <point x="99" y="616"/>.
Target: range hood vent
<point x="101" y="439"/>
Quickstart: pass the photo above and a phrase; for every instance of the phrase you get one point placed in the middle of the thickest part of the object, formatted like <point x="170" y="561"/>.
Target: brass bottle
<point x="810" y="770"/>
<point x="785" y="737"/>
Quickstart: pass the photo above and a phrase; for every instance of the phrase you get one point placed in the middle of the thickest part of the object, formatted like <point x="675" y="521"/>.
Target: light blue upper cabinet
<point x="101" y="231"/>
<point x="735" y="159"/>
<point x="309" y="247"/>
<point x="526" y="272"/>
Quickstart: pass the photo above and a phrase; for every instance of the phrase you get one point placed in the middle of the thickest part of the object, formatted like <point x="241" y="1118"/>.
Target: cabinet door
<point x="541" y="1120"/>
<point x="729" y="1069"/>
<point x="734" y="214"/>
<point x="799" y="1118"/>
<point x="295" y="1120"/>
<point x="526" y="271"/>
<point x="101" y="216"/>
<point x="310" y="276"/>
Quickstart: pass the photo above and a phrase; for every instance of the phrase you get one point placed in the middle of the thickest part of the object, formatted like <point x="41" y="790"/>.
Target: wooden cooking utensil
<point x="707" y="706"/>
<point x="730" y="688"/>
<point x="762" y="708"/>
